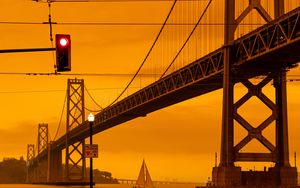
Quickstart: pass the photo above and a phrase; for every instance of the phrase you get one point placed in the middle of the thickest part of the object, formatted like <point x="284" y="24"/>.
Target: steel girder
<point x="199" y="70"/>
<point x="268" y="39"/>
<point x="255" y="133"/>
<point x="278" y="34"/>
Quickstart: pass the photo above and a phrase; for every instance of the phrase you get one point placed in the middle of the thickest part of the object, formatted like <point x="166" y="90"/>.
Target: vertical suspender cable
<point x="154" y="43"/>
<point x="205" y="10"/>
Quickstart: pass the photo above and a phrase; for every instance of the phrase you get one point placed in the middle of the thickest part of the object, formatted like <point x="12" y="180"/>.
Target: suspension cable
<point x="142" y="64"/>
<point x="202" y="15"/>
<point x="92" y="99"/>
<point x="61" y="115"/>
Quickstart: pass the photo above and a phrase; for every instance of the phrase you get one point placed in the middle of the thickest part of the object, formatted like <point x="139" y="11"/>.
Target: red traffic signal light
<point x="63" y="52"/>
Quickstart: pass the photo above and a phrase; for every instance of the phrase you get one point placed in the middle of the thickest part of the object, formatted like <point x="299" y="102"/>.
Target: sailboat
<point x="144" y="179"/>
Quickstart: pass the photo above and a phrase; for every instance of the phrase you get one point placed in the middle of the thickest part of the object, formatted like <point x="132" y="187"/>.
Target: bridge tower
<point x="75" y="160"/>
<point x="30" y="157"/>
<point x="42" y="137"/>
<point x="42" y="169"/>
<point x="227" y="174"/>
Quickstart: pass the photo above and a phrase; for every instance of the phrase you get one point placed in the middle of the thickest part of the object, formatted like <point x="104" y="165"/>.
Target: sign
<point x="91" y="151"/>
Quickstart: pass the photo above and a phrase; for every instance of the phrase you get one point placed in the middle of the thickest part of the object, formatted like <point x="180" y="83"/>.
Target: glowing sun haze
<point x="178" y="142"/>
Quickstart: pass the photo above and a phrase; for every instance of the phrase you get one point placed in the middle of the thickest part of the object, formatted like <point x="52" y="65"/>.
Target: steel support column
<point x="281" y="122"/>
<point x="227" y="117"/>
<point x="226" y="174"/>
<point x="75" y="160"/>
<point x="288" y="175"/>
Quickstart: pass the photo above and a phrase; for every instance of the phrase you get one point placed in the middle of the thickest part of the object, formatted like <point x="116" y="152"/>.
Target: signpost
<point x="91" y="151"/>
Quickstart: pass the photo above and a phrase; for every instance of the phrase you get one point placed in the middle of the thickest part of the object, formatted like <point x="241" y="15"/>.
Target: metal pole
<point x="27" y="50"/>
<point x="91" y="158"/>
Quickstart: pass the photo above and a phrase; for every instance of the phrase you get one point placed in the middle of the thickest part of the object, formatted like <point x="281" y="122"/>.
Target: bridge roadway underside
<point x="263" y="52"/>
<point x="283" y="58"/>
<point x="283" y="55"/>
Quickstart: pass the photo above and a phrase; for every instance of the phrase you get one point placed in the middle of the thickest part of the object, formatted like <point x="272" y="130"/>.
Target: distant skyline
<point x="178" y="142"/>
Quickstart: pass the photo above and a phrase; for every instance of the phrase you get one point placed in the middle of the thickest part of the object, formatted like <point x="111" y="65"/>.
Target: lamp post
<point x="91" y="121"/>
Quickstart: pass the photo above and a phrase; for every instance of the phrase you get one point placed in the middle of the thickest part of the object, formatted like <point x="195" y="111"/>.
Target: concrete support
<point x="42" y="169"/>
<point x="55" y="167"/>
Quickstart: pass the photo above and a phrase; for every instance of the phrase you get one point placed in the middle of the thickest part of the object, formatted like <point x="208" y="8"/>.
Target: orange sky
<point x="178" y="142"/>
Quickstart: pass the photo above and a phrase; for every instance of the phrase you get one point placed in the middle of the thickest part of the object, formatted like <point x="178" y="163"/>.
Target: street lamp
<point x="91" y="119"/>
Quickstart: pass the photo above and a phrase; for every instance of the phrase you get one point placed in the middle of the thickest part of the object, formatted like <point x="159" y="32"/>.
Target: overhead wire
<point x="75" y="74"/>
<point x="57" y="90"/>
<point x="116" y="23"/>
<point x="104" y="1"/>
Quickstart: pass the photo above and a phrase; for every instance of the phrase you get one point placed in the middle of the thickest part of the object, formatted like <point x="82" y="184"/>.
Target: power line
<point x="120" y="23"/>
<point x="60" y="90"/>
<point x="104" y="1"/>
<point x="75" y="74"/>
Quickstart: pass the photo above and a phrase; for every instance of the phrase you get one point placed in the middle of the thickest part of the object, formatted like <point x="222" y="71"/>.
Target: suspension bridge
<point x="268" y="49"/>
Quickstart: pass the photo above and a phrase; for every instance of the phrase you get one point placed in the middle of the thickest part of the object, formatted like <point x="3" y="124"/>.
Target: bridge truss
<point x="268" y="51"/>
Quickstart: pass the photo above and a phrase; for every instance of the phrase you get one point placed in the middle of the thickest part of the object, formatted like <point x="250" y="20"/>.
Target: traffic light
<point x="63" y="52"/>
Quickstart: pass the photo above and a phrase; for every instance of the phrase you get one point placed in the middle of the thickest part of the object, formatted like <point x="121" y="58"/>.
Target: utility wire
<point x="104" y="1"/>
<point x="142" y="64"/>
<point x="120" y="23"/>
<point x="75" y="74"/>
<point x="50" y="33"/>
<point x="59" y="90"/>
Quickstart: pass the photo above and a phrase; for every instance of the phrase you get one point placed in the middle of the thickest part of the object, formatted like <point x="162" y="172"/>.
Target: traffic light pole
<point x="27" y="50"/>
<point x="62" y="48"/>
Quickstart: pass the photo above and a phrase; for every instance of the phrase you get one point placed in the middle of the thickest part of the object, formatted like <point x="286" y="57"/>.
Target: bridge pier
<point x="282" y="174"/>
<point x="227" y="174"/>
<point x="55" y="165"/>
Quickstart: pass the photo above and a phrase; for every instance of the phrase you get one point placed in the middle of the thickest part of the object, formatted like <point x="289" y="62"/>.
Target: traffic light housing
<point x="63" y="52"/>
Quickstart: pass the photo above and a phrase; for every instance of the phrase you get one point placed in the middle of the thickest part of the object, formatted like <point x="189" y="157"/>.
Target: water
<point x="97" y="186"/>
